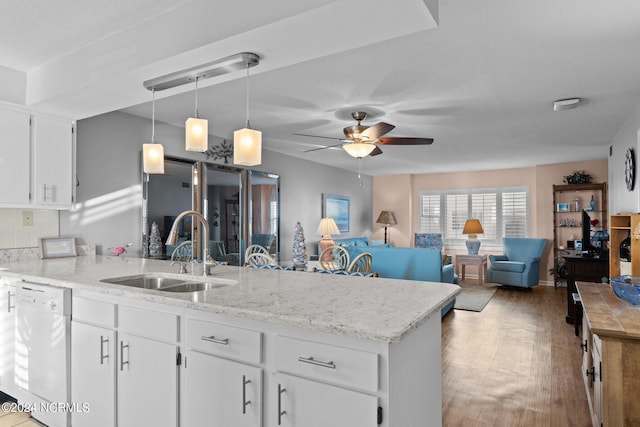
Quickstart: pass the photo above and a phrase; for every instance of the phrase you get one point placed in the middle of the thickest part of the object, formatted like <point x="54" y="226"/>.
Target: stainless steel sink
<point x="167" y="282"/>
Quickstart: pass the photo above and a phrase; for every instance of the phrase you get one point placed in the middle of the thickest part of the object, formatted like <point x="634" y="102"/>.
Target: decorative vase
<point x="155" y="242"/>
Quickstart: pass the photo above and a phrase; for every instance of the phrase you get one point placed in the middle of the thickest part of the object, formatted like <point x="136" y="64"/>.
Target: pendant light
<point x="247" y="142"/>
<point x="196" y="131"/>
<point x="153" y="153"/>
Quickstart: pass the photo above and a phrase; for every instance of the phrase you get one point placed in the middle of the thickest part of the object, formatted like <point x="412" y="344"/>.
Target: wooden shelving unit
<point x="567" y="225"/>
<point x="621" y="226"/>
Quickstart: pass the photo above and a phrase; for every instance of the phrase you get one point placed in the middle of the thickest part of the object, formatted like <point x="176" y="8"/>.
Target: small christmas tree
<point x="155" y="242"/>
<point x="299" y="249"/>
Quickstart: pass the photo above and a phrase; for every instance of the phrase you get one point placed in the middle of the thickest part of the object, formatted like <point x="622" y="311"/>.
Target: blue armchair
<point x="520" y="264"/>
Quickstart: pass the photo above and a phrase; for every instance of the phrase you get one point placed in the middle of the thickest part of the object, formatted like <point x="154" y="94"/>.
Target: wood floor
<point x="17" y="419"/>
<point x="516" y="363"/>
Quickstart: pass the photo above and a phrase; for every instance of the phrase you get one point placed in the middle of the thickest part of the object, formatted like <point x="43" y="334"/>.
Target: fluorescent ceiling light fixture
<point x="565" y="104"/>
<point x="216" y="68"/>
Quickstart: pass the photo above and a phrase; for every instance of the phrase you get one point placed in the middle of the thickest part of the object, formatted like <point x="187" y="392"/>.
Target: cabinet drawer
<point x="99" y="313"/>
<point x="223" y="340"/>
<point x="339" y="365"/>
<point x="149" y="323"/>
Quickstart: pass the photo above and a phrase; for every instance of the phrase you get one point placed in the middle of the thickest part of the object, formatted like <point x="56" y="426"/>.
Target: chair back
<point x="255" y="249"/>
<point x="522" y="248"/>
<point x="361" y="263"/>
<point x="183" y="252"/>
<point x="346" y="273"/>
<point x="428" y="241"/>
<point x="334" y="258"/>
<point x="256" y="259"/>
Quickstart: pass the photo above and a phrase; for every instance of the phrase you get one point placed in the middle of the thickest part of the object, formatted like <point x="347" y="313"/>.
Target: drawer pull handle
<point x="584" y="346"/>
<point x="245" y="402"/>
<point x="313" y="361"/>
<point x="280" y="411"/>
<point x="122" y="362"/>
<point x="216" y="340"/>
<point x="103" y="340"/>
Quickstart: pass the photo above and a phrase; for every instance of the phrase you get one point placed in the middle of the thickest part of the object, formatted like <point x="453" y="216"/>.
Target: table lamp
<point x="326" y="228"/>
<point x="386" y="218"/>
<point x="473" y="227"/>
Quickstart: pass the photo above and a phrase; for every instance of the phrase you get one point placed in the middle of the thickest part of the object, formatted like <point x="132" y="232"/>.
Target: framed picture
<point x="578" y="245"/>
<point x="562" y="207"/>
<point x="336" y="207"/>
<point x="57" y="247"/>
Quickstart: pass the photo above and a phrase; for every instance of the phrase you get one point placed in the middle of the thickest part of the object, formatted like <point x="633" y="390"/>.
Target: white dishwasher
<point x="42" y="351"/>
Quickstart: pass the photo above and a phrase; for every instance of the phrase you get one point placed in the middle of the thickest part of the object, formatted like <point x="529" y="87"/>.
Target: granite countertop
<point x="362" y="307"/>
<point x="608" y="315"/>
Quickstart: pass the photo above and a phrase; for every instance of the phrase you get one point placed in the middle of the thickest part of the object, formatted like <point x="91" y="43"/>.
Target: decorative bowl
<point x="627" y="288"/>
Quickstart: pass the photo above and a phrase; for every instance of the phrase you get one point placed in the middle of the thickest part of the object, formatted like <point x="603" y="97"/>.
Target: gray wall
<point x="620" y="199"/>
<point x="109" y="206"/>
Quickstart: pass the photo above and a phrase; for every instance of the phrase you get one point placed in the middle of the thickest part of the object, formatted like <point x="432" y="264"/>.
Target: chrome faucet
<point x="173" y="235"/>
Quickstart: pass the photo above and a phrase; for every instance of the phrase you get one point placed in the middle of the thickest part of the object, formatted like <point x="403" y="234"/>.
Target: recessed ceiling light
<point x="565" y="104"/>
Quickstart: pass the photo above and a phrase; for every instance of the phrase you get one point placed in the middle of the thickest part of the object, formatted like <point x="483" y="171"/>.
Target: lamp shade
<point x="472" y="226"/>
<point x="153" y="158"/>
<point x="327" y="227"/>
<point x="247" y="147"/>
<point x="196" y="134"/>
<point x="386" y="218"/>
<point x="358" y="149"/>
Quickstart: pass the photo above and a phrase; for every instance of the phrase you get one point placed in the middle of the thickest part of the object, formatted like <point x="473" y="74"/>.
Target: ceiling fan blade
<point x="405" y="141"/>
<point x="322" y="148"/>
<point x="376" y="151"/>
<point x="317" y="136"/>
<point x="376" y="131"/>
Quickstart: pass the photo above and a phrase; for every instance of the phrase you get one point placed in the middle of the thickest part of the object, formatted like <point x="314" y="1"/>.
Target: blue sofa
<point x="520" y="264"/>
<point x="408" y="264"/>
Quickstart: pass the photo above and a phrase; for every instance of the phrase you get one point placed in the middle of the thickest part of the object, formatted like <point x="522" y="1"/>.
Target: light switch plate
<point x="27" y="218"/>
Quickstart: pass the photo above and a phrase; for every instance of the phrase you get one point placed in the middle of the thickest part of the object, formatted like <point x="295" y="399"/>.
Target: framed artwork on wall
<point x="336" y="207"/>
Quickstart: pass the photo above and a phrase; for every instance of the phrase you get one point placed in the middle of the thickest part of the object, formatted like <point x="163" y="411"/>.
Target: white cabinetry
<point x="219" y="391"/>
<point x="7" y="335"/>
<point x="15" y="137"/>
<point x="133" y="363"/>
<point x="37" y="159"/>
<point x="52" y="162"/>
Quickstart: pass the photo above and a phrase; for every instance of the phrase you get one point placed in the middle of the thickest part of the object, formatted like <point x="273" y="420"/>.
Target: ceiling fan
<point x="361" y="141"/>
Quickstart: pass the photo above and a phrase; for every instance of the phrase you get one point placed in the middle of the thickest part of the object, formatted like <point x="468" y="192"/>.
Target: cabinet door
<point x="7" y="337"/>
<point x="53" y="161"/>
<point x="147" y="382"/>
<point x="221" y="392"/>
<point x="93" y="377"/>
<point x="597" y="383"/>
<point x="15" y="135"/>
<point x="309" y="403"/>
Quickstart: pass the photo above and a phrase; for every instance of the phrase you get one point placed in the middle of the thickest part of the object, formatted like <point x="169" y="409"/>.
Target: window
<point x="273" y="217"/>
<point x="503" y="212"/>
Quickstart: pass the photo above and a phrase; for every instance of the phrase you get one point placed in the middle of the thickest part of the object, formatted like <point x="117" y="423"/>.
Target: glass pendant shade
<point x="358" y="149"/>
<point x="247" y="147"/>
<point x="196" y="134"/>
<point x="153" y="158"/>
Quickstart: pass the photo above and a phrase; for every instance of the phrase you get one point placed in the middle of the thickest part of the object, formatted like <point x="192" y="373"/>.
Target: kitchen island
<point x="309" y="349"/>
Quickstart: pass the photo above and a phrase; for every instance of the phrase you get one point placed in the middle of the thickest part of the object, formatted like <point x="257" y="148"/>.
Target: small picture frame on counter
<point x="57" y="247"/>
<point x="562" y="207"/>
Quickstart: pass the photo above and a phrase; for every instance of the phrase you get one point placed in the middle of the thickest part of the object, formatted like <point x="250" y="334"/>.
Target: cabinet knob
<point x="584" y="346"/>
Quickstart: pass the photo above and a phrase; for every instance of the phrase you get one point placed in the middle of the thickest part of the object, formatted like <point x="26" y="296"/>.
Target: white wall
<point x="13" y="234"/>
<point x="620" y="199"/>
<point x="109" y="204"/>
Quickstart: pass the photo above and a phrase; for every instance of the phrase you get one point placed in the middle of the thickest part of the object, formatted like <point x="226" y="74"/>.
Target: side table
<point x="463" y="260"/>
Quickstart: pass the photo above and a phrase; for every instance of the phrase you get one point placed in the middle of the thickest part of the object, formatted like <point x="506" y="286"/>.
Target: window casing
<point x="502" y="211"/>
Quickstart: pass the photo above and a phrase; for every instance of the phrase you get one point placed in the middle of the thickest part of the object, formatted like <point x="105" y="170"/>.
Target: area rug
<point x="474" y="297"/>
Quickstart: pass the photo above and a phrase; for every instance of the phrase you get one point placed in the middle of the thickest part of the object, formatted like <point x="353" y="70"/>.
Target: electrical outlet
<point x="27" y="218"/>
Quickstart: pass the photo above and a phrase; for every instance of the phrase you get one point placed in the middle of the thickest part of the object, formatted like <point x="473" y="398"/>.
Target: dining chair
<point x="334" y="258"/>
<point x="183" y="252"/>
<point x="361" y="263"/>
<point x="255" y="249"/>
<point x="257" y="259"/>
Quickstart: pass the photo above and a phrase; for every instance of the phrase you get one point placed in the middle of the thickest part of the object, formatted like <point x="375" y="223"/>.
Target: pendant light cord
<point x="247" y="87"/>
<point x="196" y="115"/>
<point x="153" y="116"/>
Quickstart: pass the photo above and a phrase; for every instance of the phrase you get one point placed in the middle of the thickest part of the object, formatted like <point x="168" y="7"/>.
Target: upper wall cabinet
<point x="36" y="161"/>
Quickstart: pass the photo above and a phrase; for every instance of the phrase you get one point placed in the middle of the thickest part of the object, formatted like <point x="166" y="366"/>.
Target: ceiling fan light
<point x="247" y="147"/>
<point x="196" y="134"/>
<point x="358" y="149"/>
